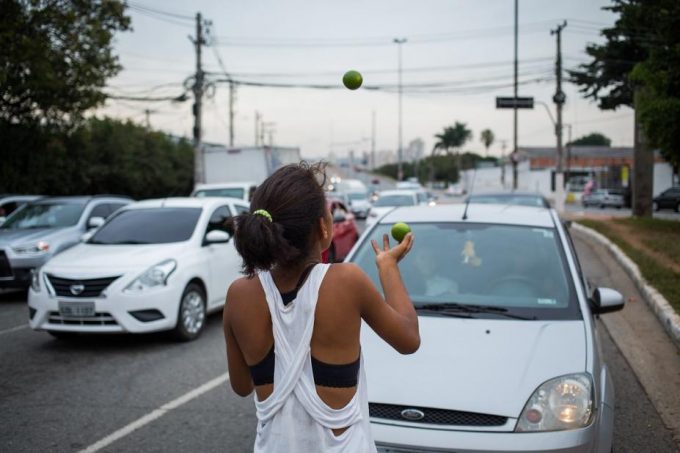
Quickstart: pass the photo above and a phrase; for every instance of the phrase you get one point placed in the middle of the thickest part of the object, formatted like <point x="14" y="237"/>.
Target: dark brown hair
<point x="295" y="199"/>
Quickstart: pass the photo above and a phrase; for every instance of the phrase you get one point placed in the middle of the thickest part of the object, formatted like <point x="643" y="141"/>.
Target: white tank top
<point x="294" y="418"/>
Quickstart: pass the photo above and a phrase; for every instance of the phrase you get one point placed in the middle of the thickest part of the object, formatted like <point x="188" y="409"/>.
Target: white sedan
<point x="390" y="199"/>
<point x="510" y="359"/>
<point x="154" y="265"/>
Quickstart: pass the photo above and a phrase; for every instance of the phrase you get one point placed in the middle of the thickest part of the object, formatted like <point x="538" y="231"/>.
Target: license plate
<point x="76" y="309"/>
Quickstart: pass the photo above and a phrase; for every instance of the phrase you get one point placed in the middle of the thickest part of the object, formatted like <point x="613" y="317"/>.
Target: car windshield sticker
<point x="469" y="256"/>
<point x="546" y="301"/>
<point x="545" y="232"/>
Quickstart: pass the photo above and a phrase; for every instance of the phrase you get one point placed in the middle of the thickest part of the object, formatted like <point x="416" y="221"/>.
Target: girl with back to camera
<point x="292" y="333"/>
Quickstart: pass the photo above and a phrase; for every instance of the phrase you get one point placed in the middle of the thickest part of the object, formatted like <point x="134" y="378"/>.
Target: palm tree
<point x="487" y="139"/>
<point x="451" y="138"/>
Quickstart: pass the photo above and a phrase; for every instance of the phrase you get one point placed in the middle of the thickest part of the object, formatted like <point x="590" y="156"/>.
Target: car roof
<point x="398" y="192"/>
<point x="184" y="202"/>
<point x="225" y="185"/>
<point x="82" y="198"/>
<point x="476" y="213"/>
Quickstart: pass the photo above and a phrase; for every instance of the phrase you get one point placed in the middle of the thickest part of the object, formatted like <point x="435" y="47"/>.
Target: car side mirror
<point x="339" y="216"/>
<point x="216" y="237"/>
<point x="95" y="222"/>
<point x="567" y="224"/>
<point x="606" y="300"/>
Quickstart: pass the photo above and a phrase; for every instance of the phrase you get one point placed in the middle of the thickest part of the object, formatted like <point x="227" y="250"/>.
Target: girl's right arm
<point x="394" y="319"/>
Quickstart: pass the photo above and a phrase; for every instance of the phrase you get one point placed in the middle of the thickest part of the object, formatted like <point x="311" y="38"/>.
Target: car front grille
<point x="435" y="416"/>
<point x="64" y="287"/>
<point x="5" y="268"/>
<point x="99" y="319"/>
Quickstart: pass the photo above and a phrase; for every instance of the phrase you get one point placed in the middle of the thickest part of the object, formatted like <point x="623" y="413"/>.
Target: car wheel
<point x="192" y="313"/>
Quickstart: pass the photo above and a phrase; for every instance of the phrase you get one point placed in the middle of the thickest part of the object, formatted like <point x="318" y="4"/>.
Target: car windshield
<point x="233" y="192"/>
<point x="358" y="196"/>
<point x="485" y="270"/>
<point x="45" y="215"/>
<point x="148" y="226"/>
<point x="519" y="200"/>
<point x="395" y="200"/>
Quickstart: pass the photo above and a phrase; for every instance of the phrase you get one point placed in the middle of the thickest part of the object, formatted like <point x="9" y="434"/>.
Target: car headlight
<point x="559" y="404"/>
<point x="35" y="280"/>
<point x="154" y="276"/>
<point x="33" y="247"/>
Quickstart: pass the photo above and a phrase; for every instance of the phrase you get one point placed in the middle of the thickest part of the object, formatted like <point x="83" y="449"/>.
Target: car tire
<point x="191" y="314"/>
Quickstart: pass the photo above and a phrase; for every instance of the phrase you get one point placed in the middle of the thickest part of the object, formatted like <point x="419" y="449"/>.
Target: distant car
<point x="345" y="232"/>
<point x="10" y="203"/>
<point x="389" y="199"/>
<point x="510" y="358"/>
<point x="604" y="198"/>
<point x="241" y="190"/>
<point x="46" y="227"/>
<point x="359" y="203"/>
<point x="668" y="199"/>
<point x="154" y="265"/>
<point x="511" y="198"/>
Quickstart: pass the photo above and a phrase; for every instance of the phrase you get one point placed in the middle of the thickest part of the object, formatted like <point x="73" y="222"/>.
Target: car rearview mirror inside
<point x="606" y="300"/>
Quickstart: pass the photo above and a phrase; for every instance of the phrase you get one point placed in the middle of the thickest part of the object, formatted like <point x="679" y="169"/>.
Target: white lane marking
<point x="14" y="329"/>
<point x="156" y="414"/>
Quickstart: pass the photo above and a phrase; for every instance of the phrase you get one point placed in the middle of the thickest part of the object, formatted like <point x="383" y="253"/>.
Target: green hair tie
<point x="263" y="213"/>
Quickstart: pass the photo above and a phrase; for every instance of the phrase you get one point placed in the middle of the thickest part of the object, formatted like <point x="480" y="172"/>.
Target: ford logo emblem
<point x="412" y="414"/>
<point x="77" y="289"/>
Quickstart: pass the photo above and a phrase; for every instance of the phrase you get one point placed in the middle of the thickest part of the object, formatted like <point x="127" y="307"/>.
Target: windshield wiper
<point x="456" y="308"/>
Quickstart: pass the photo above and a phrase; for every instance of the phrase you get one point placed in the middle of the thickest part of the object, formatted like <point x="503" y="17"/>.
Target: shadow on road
<point x="13" y="296"/>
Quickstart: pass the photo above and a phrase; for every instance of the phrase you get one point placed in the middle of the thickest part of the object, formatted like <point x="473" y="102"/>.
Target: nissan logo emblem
<point x="77" y="289"/>
<point x="412" y="414"/>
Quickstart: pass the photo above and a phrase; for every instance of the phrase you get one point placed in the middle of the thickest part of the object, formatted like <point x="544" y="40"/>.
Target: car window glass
<point x="395" y="200"/>
<point x="240" y="209"/>
<point x="421" y="197"/>
<point x="115" y="206"/>
<point x="101" y="210"/>
<point x="234" y="192"/>
<point x="218" y="220"/>
<point x="7" y="208"/>
<point x="520" y="269"/>
<point x="148" y="226"/>
<point x="45" y="215"/>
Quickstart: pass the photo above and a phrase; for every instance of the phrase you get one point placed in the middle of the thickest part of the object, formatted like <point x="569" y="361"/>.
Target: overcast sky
<point x="458" y="58"/>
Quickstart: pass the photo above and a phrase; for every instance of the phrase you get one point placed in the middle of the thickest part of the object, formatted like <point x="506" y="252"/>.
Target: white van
<point x="240" y="190"/>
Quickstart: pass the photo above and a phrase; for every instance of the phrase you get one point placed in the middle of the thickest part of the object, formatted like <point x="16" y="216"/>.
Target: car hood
<point x="21" y="236"/>
<point x="84" y="257"/>
<point x="474" y="365"/>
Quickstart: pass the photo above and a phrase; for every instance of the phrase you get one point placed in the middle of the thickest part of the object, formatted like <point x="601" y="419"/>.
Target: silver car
<point x="509" y="358"/>
<point x="41" y="229"/>
<point x="604" y="198"/>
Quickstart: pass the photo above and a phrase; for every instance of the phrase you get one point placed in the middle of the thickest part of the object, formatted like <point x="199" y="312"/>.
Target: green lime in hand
<point x="400" y="230"/>
<point x="352" y="79"/>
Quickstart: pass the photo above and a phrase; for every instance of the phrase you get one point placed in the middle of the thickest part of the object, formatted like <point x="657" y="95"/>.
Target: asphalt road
<point x="65" y="396"/>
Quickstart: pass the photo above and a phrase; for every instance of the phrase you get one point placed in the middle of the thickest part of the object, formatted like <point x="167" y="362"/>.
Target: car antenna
<point x="472" y="186"/>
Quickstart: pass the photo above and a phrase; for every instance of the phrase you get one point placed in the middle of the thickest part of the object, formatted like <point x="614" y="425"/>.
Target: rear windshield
<point x="395" y="200"/>
<point x="45" y="215"/>
<point x="520" y="269"/>
<point x="357" y="196"/>
<point x="148" y="226"/>
<point x="234" y="192"/>
<point x="520" y="200"/>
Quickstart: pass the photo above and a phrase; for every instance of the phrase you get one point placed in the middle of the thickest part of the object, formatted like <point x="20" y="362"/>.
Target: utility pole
<point x="147" y="113"/>
<point x="400" y="170"/>
<point x="503" y="146"/>
<point x="232" y="95"/>
<point x="257" y="128"/>
<point x="643" y="165"/>
<point x="559" y="99"/>
<point x="514" y="156"/>
<point x="198" y="41"/>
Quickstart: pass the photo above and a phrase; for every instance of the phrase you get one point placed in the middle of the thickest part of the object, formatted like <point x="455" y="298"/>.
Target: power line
<point x="139" y="6"/>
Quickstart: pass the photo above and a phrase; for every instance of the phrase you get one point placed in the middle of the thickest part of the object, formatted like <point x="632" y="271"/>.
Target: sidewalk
<point x="637" y="332"/>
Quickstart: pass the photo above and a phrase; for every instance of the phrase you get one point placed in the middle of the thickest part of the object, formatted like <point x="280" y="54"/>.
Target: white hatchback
<point x="154" y="265"/>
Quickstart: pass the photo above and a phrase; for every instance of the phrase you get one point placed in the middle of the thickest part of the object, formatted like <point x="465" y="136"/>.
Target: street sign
<point x="511" y="103"/>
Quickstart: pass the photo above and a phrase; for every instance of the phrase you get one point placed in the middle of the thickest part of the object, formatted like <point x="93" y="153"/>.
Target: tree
<point x="592" y="139"/>
<point x="487" y="138"/>
<point x="451" y="138"/>
<point x="55" y="58"/>
<point x="639" y="66"/>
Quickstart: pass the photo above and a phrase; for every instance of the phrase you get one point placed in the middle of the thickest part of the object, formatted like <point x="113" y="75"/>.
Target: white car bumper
<point x="117" y="312"/>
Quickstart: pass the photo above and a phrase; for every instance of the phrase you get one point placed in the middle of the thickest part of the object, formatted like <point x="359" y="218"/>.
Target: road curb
<point x="659" y="305"/>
